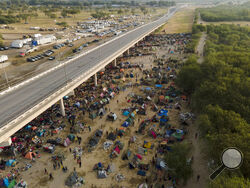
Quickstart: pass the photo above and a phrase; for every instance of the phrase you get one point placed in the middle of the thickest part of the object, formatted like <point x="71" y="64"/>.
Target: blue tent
<point x="125" y="124"/>
<point x="163" y="120"/>
<point x="179" y="131"/>
<point x="28" y="127"/>
<point x="10" y="162"/>
<point x="148" y="88"/>
<point x="126" y="113"/>
<point x="6" y="182"/>
<point x="158" y="85"/>
<point x="163" y="112"/>
<point x="65" y="97"/>
<point x="169" y="132"/>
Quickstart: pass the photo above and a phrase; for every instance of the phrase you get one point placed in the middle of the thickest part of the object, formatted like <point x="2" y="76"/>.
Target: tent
<point x="111" y="136"/>
<point x="125" y="124"/>
<point x="147" y="145"/>
<point x="30" y="155"/>
<point x="158" y="85"/>
<point x="11" y="162"/>
<point x="129" y="120"/>
<point x="71" y="137"/>
<point x="153" y="134"/>
<point x="92" y="115"/>
<point x="125" y="113"/>
<point x="102" y="174"/>
<point x="66" y="142"/>
<point x="163" y="112"/>
<point x="12" y="184"/>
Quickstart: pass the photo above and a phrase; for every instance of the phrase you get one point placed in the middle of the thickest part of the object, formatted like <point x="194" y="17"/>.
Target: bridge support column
<point x="95" y="79"/>
<point x="115" y="62"/>
<point x="128" y="52"/>
<point x="62" y="107"/>
<point x="72" y="93"/>
<point x="6" y="142"/>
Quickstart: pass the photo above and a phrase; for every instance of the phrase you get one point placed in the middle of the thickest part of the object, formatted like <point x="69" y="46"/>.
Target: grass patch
<point x="181" y="22"/>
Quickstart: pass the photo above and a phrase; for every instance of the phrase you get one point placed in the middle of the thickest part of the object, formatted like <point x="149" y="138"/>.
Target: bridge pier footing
<point x="62" y="107"/>
<point x="72" y="93"/>
<point x="7" y="142"/>
<point x="95" y="76"/>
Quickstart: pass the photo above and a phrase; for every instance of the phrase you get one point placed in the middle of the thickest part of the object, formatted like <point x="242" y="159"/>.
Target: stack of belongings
<point x="74" y="180"/>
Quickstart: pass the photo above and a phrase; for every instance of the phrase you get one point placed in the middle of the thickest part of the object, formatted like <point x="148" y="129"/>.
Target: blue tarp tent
<point x="65" y="97"/>
<point x="10" y="162"/>
<point x="158" y="85"/>
<point x="126" y="113"/>
<point x="6" y="182"/>
<point x="125" y="124"/>
<point x="148" y="88"/>
<point x="169" y="132"/>
<point x="163" y="120"/>
<point x="28" y="127"/>
<point x="163" y="112"/>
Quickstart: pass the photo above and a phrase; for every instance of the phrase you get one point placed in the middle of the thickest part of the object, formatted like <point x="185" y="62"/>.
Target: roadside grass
<point x="181" y="22"/>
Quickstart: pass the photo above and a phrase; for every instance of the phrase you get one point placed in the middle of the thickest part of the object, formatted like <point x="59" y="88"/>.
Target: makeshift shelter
<point x="30" y="155"/>
<point x="126" y="113"/>
<point x="112" y="117"/>
<point x="71" y="137"/>
<point x="111" y="136"/>
<point x="163" y="112"/>
<point x="11" y="162"/>
<point x="66" y="142"/>
<point x="148" y="145"/>
<point x="101" y="174"/>
<point x="125" y="124"/>
<point x="92" y="115"/>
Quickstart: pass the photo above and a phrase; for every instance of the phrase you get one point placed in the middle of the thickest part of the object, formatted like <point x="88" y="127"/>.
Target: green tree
<point x="189" y="76"/>
<point x="177" y="161"/>
<point x="229" y="182"/>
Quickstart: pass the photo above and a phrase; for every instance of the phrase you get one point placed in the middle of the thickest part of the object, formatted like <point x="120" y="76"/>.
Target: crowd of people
<point x="141" y="132"/>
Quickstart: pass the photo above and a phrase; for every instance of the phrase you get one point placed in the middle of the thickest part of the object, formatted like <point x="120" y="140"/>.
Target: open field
<point x="181" y="22"/>
<point x="44" y="21"/>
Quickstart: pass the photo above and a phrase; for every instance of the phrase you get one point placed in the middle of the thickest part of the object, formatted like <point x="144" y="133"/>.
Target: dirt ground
<point x="36" y="177"/>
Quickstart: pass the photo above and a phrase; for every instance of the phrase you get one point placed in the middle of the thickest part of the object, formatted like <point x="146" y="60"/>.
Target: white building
<point x="45" y="39"/>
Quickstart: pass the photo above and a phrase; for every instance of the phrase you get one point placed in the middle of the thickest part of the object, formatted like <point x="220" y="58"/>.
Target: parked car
<point x="52" y="58"/>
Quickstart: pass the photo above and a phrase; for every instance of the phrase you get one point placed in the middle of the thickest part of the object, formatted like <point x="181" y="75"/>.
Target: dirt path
<point x="199" y="163"/>
<point x="200" y="47"/>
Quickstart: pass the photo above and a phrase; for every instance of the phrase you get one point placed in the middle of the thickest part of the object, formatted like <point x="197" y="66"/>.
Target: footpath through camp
<point x="117" y="134"/>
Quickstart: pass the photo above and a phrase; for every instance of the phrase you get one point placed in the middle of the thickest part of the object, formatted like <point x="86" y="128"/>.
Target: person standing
<point x="198" y="177"/>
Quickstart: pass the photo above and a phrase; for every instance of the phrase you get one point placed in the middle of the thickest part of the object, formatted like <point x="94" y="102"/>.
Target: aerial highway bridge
<point x="22" y="103"/>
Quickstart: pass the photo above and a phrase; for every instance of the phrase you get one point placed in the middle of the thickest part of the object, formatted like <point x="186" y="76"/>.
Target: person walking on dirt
<point x="50" y="176"/>
<point x="198" y="177"/>
<point x="196" y="135"/>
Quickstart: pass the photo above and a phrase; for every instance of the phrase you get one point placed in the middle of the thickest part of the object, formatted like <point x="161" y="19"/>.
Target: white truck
<point x="3" y="58"/>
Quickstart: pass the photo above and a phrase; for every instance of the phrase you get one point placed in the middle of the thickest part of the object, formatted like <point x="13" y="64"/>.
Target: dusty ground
<point x="36" y="177"/>
<point x="181" y="22"/>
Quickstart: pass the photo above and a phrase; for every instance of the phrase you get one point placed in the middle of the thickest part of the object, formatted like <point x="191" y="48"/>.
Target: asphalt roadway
<point x="18" y="101"/>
